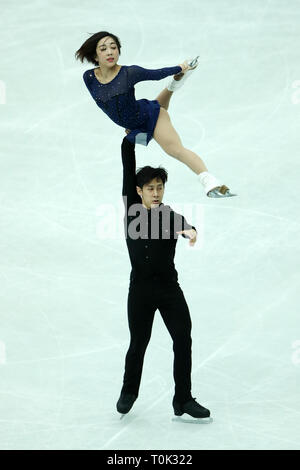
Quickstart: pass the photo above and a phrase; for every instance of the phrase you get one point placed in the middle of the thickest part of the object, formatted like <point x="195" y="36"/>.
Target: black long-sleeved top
<point x="150" y="233"/>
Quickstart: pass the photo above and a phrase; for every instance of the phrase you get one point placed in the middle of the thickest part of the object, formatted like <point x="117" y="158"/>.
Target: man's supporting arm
<point x="129" y="177"/>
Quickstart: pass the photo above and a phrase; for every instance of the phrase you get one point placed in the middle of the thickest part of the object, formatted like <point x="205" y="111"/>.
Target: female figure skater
<point x="112" y="87"/>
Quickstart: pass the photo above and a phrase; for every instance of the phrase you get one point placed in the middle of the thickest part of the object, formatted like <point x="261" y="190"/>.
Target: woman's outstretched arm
<point x="139" y="74"/>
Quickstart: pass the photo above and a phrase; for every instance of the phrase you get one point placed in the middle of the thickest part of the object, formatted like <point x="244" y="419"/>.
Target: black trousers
<point x="144" y="298"/>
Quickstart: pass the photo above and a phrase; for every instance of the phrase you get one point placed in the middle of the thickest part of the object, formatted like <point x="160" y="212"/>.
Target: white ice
<point x="65" y="267"/>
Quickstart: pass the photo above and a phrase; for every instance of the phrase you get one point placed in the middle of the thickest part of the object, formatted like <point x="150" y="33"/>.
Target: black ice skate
<point x="191" y="408"/>
<point x="125" y="402"/>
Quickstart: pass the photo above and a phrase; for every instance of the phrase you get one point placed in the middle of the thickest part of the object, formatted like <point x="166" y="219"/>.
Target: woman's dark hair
<point x="147" y="173"/>
<point x="88" y="49"/>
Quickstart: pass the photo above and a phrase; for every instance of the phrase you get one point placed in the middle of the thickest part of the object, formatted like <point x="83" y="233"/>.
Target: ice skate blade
<point x="194" y="62"/>
<point x="221" y="191"/>
<point x="127" y="418"/>
<point x="217" y="195"/>
<point x="185" y="418"/>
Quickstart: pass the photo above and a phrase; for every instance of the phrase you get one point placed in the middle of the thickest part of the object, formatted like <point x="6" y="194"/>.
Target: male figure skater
<point x="151" y="231"/>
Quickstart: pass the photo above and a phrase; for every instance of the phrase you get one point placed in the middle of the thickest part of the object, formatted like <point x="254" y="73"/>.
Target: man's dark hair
<point x="147" y="173"/>
<point x="88" y="49"/>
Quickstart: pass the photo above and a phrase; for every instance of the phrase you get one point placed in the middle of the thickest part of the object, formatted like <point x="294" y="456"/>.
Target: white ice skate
<point x="212" y="186"/>
<point x="220" y="191"/>
<point x="178" y="80"/>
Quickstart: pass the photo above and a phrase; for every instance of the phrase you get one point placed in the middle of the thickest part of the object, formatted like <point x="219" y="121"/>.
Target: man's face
<point x="152" y="193"/>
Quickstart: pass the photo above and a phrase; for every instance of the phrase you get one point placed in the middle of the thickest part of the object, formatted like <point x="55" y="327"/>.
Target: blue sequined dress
<point x="117" y="99"/>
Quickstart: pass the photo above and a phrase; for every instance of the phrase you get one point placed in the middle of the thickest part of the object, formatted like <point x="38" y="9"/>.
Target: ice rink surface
<point x="64" y="263"/>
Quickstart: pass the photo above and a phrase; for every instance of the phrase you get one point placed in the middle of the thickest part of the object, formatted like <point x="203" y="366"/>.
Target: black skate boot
<point x="191" y="408"/>
<point x="125" y="402"/>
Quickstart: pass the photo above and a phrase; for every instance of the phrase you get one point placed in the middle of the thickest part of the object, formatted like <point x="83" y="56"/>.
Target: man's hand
<point x="192" y="234"/>
<point x="127" y="131"/>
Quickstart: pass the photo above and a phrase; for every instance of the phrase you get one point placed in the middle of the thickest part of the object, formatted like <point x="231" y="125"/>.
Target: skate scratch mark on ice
<point x="52" y="276"/>
<point x="137" y="21"/>
<point x="68" y="356"/>
<point x="235" y="436"/>
<point x="237" y="381"/>
<point x="268" y="214"/>
<point x="60" y="400"/>
<point x="239" y="127"/>
<point x="201" y="364"/>
<point x="162" y="397"/>
<point x="200" y="137"/>
<point x="76" y="167"/>
<point x="75" y="234"/>
<point x="245" y="326"/>
<point x="266" y="118"/>
<point x="196" y="369"/>
<point x="54" y="115"/>
<point x="266" y="435"/>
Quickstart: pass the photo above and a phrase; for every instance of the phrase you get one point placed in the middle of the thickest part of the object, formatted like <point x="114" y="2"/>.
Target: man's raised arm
<point x="129" y="177"/>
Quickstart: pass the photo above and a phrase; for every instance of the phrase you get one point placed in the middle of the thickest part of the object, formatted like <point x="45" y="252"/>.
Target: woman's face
<point x="107" y="49"/>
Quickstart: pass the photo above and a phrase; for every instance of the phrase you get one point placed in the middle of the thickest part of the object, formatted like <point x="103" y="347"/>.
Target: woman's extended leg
<point x="167" y="137"/>
<point x="165" y="95"/>
<point x="164" y="98"/>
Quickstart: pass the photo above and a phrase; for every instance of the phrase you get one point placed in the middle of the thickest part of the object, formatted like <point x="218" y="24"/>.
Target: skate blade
<point x="194" y="62"/>
<point x="127" y="417"/>
<point x="220" y="191"/>
<point x="214" y="194"/>
<point x="192" y="420"/>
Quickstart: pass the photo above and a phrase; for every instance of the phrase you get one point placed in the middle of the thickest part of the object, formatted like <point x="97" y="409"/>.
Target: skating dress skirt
<point x="117" y="99"/>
